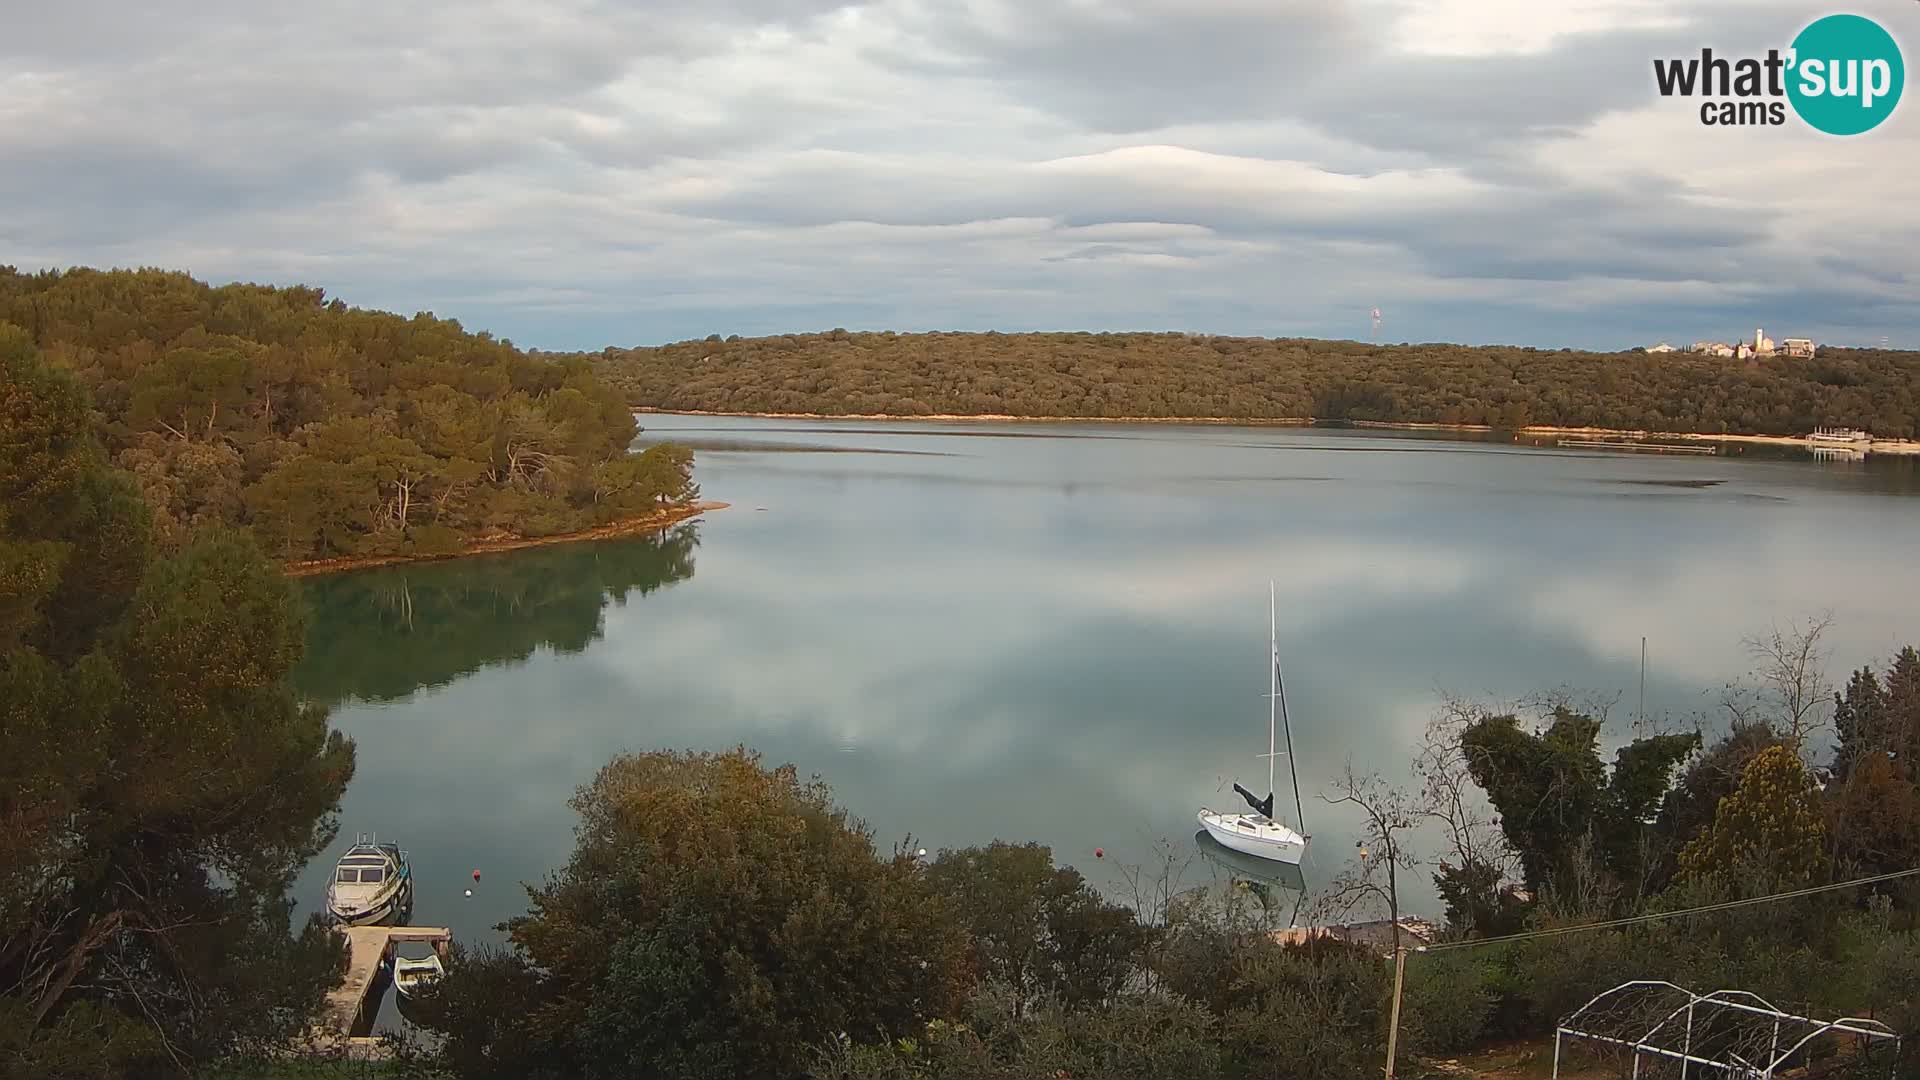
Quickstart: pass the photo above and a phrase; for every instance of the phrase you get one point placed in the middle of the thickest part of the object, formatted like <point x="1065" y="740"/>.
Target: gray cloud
<point x="587" y="172"/>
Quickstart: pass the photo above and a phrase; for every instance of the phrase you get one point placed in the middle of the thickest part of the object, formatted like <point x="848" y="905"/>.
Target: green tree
<point x="1873" y="803"/>
<point x="161" y="786"/>
<point x="1558" y="801"/>
<point x="308" y="508"/>
<point x="1772" y="820"/>
<point x="721" y="919"/>
<point x="1037" y="928"/>
<point x="1689" y="808"/>
<point x="1876" y="717"/>
<point x="184" y="393"/>
<point x="657" y="476"/>
<point x="188" y="484"/>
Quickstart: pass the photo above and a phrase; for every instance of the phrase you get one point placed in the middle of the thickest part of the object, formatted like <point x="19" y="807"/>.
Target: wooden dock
<point x="1638" y="447"/>
<point x="352" y="1007"/>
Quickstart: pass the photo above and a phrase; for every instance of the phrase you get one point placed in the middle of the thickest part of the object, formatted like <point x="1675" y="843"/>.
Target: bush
<point x="1316" y="1011"/>
<point x="1133" y="1038"/>
<point x="434" y="540"/>
<point x="1447" y="1002"/>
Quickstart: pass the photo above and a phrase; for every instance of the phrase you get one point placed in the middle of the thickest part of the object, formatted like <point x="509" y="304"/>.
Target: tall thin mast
<point x="1273" y="693"/>
<point x="1642" y="726"/>
<point x="1280" y="693"/>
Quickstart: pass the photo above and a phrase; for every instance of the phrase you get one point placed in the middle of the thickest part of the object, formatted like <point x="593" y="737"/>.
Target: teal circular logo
<point x="1846" y="74"/>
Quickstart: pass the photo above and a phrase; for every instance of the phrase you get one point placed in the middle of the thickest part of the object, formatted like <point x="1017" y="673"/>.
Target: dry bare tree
<point x="1153" y="890"/>
<point x="1451" y="799"/>
<point x="1388" y="814"/>
<point x="1788" y="690"/>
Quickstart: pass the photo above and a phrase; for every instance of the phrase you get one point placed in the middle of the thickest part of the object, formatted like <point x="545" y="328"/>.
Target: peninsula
<point x="1205" y="378"/>
<point x="340" y="437"/>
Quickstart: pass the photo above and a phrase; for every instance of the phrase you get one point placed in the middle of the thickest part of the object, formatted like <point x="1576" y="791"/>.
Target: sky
<point x="574" y="174"/>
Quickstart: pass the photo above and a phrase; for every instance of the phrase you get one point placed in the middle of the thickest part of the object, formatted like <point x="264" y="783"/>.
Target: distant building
<point x="1762" y="344"/>
<point x="1662" y="347"/>
<point x="1713" y="348"/>
<point x="1798" y="346"/>
<point x="1744" y="351"/>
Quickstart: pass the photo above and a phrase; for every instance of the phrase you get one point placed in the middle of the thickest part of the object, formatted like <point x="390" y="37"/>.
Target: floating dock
<point x="1638" y="447"/>
<point x="352" y="1007"/>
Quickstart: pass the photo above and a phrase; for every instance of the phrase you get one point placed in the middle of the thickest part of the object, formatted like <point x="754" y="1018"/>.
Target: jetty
<point x="1638" y="447"/>
<point x="352" y="1007"/>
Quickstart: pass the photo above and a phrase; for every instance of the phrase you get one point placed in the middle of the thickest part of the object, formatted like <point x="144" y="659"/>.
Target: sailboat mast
<point x="1273" y="691"/>
<point x="1280" y="695"/>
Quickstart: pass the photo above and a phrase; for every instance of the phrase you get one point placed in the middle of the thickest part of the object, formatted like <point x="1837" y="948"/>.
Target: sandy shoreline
<point x="631" y="527"/>
<point x="997" y="418"/>
<point x="1878" y="446"/>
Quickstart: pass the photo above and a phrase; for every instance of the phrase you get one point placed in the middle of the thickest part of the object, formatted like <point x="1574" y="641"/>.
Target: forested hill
<point x="333" y="431"/>
<point x="1169" y="375"/>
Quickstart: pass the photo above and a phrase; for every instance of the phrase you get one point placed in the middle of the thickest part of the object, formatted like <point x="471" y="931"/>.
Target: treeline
<point x="1181" y="375"/>
<point x="160" y="783"/>
<point x="719" y="918"/>
<point x="333" y="431"/>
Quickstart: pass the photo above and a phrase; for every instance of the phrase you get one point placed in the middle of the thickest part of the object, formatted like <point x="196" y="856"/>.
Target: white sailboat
<point x="1260" y="834"/>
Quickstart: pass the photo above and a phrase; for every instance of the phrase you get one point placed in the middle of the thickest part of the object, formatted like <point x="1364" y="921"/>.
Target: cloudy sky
<point x="579" y="173"/>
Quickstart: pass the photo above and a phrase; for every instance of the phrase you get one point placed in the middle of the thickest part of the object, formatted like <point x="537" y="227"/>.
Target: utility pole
<point x="1393" y="1023"/>
<point x="1399" y="949"/>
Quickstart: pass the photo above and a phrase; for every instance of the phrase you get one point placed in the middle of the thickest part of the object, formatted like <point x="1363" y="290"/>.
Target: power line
<point x="1400" y="954"/>
<point x="1658" y="915"/>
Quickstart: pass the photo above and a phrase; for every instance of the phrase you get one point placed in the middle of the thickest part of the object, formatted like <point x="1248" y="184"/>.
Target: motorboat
<point x="372" y="885"/>
<point x="409" y="974"/>
<point x="1261" y="834"/>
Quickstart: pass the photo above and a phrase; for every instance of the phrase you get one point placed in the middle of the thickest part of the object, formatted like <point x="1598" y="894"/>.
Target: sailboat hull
<point x="1252" y="834"/>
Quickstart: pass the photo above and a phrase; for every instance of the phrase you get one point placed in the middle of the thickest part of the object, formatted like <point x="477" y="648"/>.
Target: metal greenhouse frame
<point x="1672" y="1031"/>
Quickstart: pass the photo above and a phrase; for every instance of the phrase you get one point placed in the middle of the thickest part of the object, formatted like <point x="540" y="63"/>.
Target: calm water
<point x="1058" y="633"/>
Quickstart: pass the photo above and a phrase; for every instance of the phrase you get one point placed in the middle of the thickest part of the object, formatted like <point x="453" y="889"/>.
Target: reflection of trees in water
<point x="379" y="635"/>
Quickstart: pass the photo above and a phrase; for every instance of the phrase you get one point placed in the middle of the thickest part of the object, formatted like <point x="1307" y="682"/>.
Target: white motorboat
<point x="1261" y="834"/>
<point x="372" y="885"/>
<point x="411" y="973"/>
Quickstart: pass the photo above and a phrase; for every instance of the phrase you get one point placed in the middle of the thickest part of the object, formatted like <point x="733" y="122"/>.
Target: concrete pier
<point x="351" y="1009"/>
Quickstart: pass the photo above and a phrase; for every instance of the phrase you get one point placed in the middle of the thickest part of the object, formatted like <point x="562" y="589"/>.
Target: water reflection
<point x="1063" y="639"/>
<point x="381" y="635"/>
<point x="1240" y="866"/>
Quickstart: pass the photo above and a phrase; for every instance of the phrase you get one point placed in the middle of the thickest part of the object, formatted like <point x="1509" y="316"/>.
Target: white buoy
<point x="469" y="892"/>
